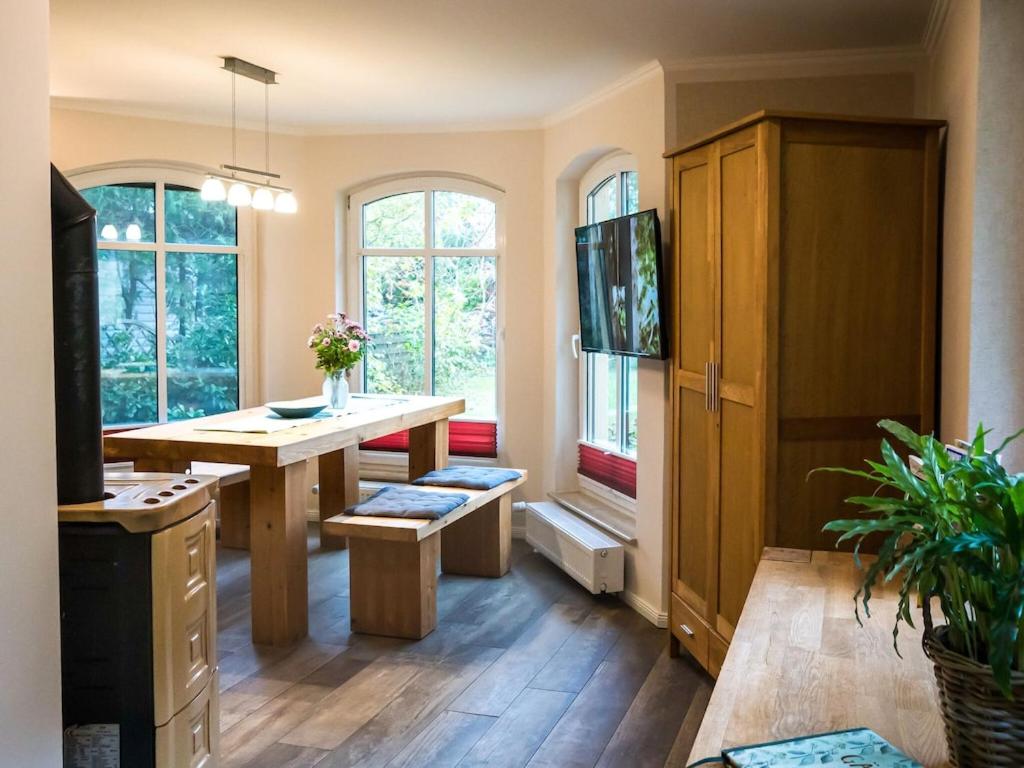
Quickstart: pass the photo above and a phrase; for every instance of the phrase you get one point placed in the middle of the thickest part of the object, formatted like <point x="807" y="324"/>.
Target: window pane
<point x="393" y="305"/>
<point x="190" y="219"/>
<point x="465" y="345"/>
<point x="463" y="221"/>
<point x="603" y="384"/>
<point x="630" y="373"/>
<point x="127" y="281"/>
<point x="124" y="212"/>
<point x="603" y="202"/>
<point x="202" y="334"/>
<point x="631" y="192"/>
<point x="394" y="222"/>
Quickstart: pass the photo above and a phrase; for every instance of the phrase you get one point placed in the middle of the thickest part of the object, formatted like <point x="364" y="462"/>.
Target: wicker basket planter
<point x="984" y="729"/>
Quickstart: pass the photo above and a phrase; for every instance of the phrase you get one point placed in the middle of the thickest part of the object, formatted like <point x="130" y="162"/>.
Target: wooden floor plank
<point x="679" y="755"/>
<point x="575" y="662"/>
<point x="580" y="737"/>
<point x="498" y="687"/>
<point x="287" y="756"/>
<point x="512" y="740"/>
<point x="444" y="742"/>
<point x="647" y="732"/>
<point x="346" y="709"/>
<point x="381" y="739"/>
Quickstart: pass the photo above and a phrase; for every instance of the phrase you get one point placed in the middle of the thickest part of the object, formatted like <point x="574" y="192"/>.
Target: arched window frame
<point x="352" y="270"/>
<point x="611" y="468"/>
<point x="161" y="173"/>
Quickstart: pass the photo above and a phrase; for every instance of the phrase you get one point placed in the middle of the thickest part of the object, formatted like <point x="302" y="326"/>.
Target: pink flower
<point x="317" y="328"/>
<point x="326" y="342"/>
<point x="311" y="342"/>
<point x="353" y="346"/>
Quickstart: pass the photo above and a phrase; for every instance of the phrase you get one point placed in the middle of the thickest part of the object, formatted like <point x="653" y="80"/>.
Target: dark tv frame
<point x="660" y="277"/>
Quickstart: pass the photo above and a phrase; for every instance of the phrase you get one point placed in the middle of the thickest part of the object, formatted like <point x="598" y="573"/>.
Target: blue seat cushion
<point x="477" y="478"/>
<point x="390" y="501"/>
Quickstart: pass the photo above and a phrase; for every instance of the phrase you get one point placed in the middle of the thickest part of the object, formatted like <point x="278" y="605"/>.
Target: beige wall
<point x="952" y="87"/>
<point x="702" y="107"/>
<point x="30" y="715"/>
<point x="632" y="119"/>
<point x="997" y="285"/>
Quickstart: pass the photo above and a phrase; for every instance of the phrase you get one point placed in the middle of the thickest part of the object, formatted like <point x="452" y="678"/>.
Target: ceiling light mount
<point x="261" y="194"/>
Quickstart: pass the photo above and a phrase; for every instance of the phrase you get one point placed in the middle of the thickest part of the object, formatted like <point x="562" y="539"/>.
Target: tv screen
<point x="619" y="267"/>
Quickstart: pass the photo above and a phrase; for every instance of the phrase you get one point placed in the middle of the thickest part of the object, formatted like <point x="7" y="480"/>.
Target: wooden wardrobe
<point x="804" y="307"/>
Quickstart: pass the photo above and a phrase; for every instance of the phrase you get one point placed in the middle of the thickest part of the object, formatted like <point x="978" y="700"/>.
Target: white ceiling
<point x="349" y="65"/>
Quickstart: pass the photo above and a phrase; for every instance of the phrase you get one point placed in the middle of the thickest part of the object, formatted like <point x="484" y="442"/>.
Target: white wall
<point x="30" y="716"/>
<point x="630" y="118"/>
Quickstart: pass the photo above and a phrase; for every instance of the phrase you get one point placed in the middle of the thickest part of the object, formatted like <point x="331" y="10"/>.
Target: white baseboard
<point x="645" y="609"/>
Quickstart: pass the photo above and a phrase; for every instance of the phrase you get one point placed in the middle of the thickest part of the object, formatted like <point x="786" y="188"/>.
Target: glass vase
<point x="336" y="390"/>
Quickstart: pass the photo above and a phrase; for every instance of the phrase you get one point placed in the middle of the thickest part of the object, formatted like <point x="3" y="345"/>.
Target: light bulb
<point x="109" y="232"/>
<point x="133" y="232"/>
<point x="239" y="195"/>
<point x="286" y="203"/>
<point x="213" y="190"/>
<point x="263" y="199"/>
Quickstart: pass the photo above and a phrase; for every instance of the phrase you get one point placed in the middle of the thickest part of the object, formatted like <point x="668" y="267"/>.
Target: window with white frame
<point x="169" y="279"/>
<point x="608" y="412"/>
<point x="426" y="251"/>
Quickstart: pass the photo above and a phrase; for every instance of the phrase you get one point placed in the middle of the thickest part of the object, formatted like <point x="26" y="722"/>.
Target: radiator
<point x="590" y="556"/>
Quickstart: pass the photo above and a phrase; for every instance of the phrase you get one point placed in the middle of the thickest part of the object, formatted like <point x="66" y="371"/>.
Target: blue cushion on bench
<point x="477" y="478"/>
<point x="390" y="501"/>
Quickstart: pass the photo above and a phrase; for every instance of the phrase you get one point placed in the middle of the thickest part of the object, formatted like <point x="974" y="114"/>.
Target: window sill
<point x="599" y="509"/>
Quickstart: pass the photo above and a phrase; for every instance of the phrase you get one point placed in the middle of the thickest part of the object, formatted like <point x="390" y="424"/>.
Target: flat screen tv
<point x="621" y="286"/>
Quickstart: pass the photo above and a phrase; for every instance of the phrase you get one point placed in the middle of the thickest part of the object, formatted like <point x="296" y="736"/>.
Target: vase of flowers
<point x="951" y="528"/>
<point x="339" y="344"/>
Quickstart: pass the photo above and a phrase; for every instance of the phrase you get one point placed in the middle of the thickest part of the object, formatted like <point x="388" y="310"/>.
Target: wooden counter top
<point x="799" y="664"/>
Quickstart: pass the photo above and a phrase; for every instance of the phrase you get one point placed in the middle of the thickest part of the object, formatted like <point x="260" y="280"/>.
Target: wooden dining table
<point x="278" y="481"/>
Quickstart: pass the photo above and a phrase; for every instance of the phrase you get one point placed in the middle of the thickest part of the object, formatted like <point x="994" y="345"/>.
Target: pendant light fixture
<point x="242" y="191"/>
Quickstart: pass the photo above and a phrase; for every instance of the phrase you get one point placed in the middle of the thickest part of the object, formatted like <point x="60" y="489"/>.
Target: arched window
<point x="608" y="383"/>
<point x="170" y="278"/>
<point x="426" y="277"/>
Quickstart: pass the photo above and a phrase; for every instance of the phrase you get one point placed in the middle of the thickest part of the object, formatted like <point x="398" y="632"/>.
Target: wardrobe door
<point x="692" y="557"/>
<point x="737" y="395"/>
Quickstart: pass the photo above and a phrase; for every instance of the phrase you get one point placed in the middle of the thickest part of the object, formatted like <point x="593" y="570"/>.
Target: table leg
<point x="339" y="489"/>
<point x="479" y="544"/>
<point x="428" y="448"/>
<point x="280" y="596"/>
<point x="175" y="466"/>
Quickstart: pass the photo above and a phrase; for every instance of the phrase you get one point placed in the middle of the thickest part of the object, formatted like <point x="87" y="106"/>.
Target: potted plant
<point x="952" y="527"/>
<point x="339" y="344"/>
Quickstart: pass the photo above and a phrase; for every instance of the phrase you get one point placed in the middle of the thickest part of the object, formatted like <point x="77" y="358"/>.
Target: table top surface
<point x="192" y="439"/>
<point x="799" y="664"/>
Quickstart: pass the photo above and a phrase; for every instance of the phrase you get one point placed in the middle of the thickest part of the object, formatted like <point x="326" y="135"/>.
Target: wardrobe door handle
<point x="707" y="386"/>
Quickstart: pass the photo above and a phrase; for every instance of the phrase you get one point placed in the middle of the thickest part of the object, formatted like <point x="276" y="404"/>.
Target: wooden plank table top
<point x="799" y="664"/>
<point x="191" y="440"/>
<point x="278" y="483"/>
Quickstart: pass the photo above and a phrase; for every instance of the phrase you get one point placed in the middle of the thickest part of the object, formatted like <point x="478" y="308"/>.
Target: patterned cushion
<point x="477" y="478"/>
<point x="390" y="501"/>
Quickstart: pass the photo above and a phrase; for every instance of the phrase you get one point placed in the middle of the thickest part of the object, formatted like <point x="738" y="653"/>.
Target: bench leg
<point x="234" y="516"/>
<point x="393" y="586"/>
<point x="480" y="543"/>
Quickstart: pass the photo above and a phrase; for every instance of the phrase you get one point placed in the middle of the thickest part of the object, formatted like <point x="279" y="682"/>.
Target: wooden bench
<point x="234" y="500"/>
<point x="393" y="561"/>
